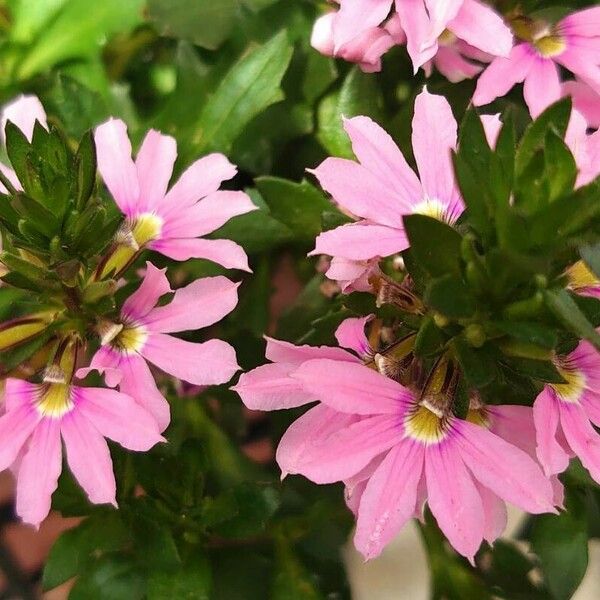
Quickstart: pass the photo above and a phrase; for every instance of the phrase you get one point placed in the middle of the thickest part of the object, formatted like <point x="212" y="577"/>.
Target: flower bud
<point x="22" y="329"/>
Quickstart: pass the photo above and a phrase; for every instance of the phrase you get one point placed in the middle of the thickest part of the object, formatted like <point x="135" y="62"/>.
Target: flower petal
<point x="15" y="428"/>
<point x="542" y="86"/>
<point x="280" y="351"/>
<point x="494" y="514"/>
<point x="89" y="458"/>
<point x="154" y="285"/>
<point x="23" y="111"/>
<point x="546" y="417"/>
<point x="351" y="334"/>
<point x="355" y="17"/>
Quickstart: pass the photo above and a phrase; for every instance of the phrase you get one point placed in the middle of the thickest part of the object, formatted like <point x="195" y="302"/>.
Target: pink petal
<point x="582" y="59"/>
<point x="433" y="139"/>
<point x="503" y="468"/>
<point x="585" y="100"/>
<point x="19" y="393"/>
<point x="352" y="387"/>
<point x="270" y="387"/>
<point x="16" y="426"/>
<point x="105" y="361"/>
<point x="583" y="22"/>
<point x="494" y="514"/>
<point x="420" y="43"/>
<point x="362" y="192"/>
<point x="199" y="304"/>
<point x="154" y="285"/>
<point x="355" y="17"/>
<point x="503" y="73"/>
<point x="347" y="450"/>
<point x="482" y="27"/>
<point x="39" y="472"/>
<point x="514" y="424"/>
<point x="351" y="334"/>
<point x="492" y="126"/>
<point x="89" y="458"/>
<point x="360" y="241"/>
<point x="542" y="86"/>
<point x="23" y="111"/>
<point x="367" y="49"/>
<point x="199" y="180"/>
<point x="12" y="177"/>
<point x="209" y="363"/>
<point x="546" y="416"/>
<point x="581" y="436"/>
<point x="377" y="152"/>
<point x="321" y="38"/>
<point x="223" y="252"/>
<point x="454" y="499"/>
<point x="453" y="66"/>
<point x="154" y="165"/>
<point x="118" y="417"/>
<point x="139" y="383"/>
<point x="352" y="276"/>
<point x="280" y="351"/>
<point x="389" y="498"/>
<point x="441" y="13"/>
<point x="314" y="426"/>
<point x="207" y="215"/>
<point x="116" y="166"/>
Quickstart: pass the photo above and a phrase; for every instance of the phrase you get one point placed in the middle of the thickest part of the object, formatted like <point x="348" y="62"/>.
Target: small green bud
<point x="475" y="335"/>
<point x="440" y="320"/>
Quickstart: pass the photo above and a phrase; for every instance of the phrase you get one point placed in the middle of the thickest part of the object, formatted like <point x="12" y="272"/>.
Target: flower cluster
<point x="77" y="310"/>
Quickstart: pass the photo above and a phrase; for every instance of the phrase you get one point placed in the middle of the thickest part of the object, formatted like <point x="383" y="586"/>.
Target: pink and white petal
<point x="542" y="86"/>
<point x="12" y="177"/>
<point x="321" y="38"/>
<point x="199" y="180"/>
<point x="417" y="27"/>
<point x="360" y="241"/>
<point x="23" y="111"/>
<point x="16" y="426"/>
<point x="389" y="498"/>
<point x="454" y="66"/>
<point x="315" y="425"/>
<point x="89" y="458"/>
<point x="38" y="473"/>
<point x="355" y="17"/>
<point x="492" y="126"/>
<point x="494" y="514"/>
<point x="346" y="451"/>
<point x="199" y="304"/>
<point x="351" y="334"/>
<point x="377" y="152"/>
<point x="107" y="362"/>
<point x="208" y="363"/>
<point x="482" y="27"/>
<point x="434" y="134"/>
<point x="18" y="393"/>
<point x="453" y="499"/>
<point x="503" y="73"/>
<point x="581" y="437"/>
<point x="352" y="275"/>
<point x="139" y="383"/>
<point x="582" y="23"/>
<point x="362" y="192"/>
<point x="352" y="387"/>
<point x="546" y="416"/>
<point x="207" y="215"/>
<point x="154" y="285"/>
<point x="116" y="166"/>
<point x="503" y="468"/>
<point x="154" y="165"/>
<point x="441" y="13"/>
<point x="270" y="387"/>
<point x="118" y="417"/>
<point x="286" y="352"/>
<point x="223" y="252"/>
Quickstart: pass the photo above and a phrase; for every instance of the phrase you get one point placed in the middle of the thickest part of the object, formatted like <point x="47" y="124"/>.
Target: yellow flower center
<point x="425" y="426"/>
<point x="147" y="227"/>
<point x="580" y="276"/>
<point x="55" y="400"/>
<point x="130" y="339"/>
<point x="446" y="38"/>
<point x="573" y="388"/>
<point x="550" y="45"/>
<point x="430" y="207"/>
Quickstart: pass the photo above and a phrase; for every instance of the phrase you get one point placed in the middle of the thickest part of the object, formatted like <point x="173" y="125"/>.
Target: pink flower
<point x="38" y="416"/>
<point x="455" y="59"/>
<point x="381" y="187"/>
<point x="585" y="100"/>
<point x="24" y="111"/>
<point x="585" y="149"/>
<point x="574" y="43"/>
<point x="140" y="335"/>
<point x="462" y="469"/>
<point x="564" y="414"/>
<point x="366" y="48"/>
<point x="170" y="222"/>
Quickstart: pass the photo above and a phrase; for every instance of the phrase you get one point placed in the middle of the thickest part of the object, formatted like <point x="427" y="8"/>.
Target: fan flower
<point x="170" y="222"/>
<point x="574" y="43"/>
<point x="140" y="335"/>
<point x="381" y="187"/>
<point x="38" y="416"/>
<point x="565" y="413"/>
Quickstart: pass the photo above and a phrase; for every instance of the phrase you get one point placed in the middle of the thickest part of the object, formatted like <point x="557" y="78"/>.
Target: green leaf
<point x="561" y="170"/>
<point x="478" y="364"/>
<point x="76" y="548"/>
<point x="433" y="244"/>
<point x="299" y="206"/>
<point x="525" y="331"/>
<point x="203" y="22"/>
<point x="291" y="579"/>
<point x="554" y="118"/>
<point x="430" y="339"/>
<point x="249" y="87"/>
<point x="85" y="166"/>
<point x="450" y="296"/>
<point x="561" y="542"/>
<point x="567" y="311"/>
<point x="191" y="582"/>
<point x="542" y="370"/>
<point x="76" y="31"/>
<point x="156" y="539"/>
